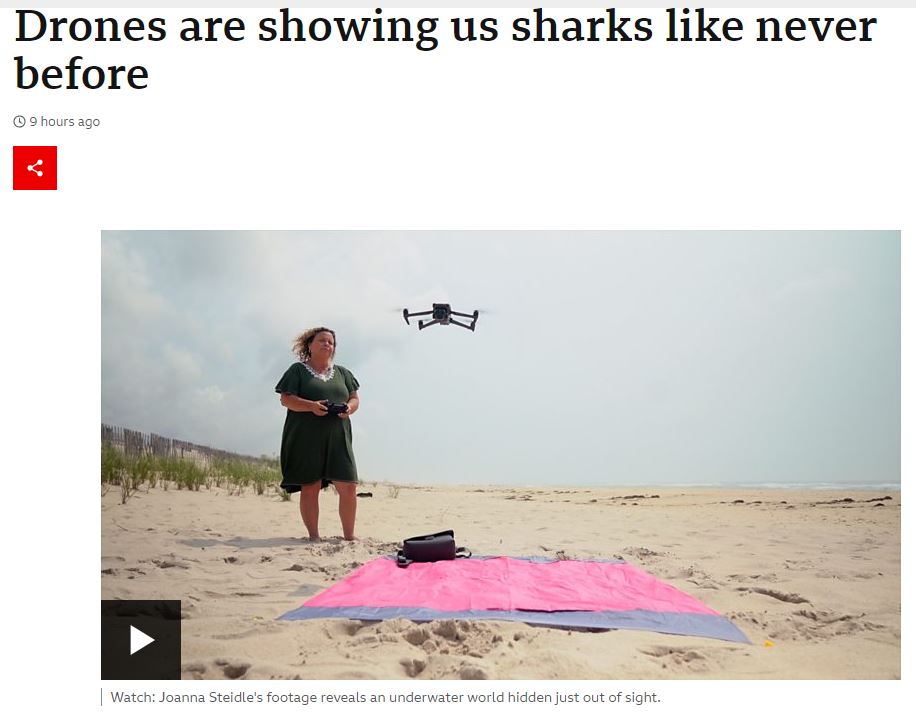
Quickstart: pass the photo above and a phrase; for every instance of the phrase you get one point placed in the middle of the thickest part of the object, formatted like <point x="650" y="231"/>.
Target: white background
<point x="489" y="135"/>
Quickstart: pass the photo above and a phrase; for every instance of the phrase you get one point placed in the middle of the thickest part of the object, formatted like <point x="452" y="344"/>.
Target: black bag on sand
<point x="430" y="548"/>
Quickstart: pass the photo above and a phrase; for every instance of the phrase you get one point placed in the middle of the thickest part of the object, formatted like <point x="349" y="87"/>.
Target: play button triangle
<point x="139" y="640"/>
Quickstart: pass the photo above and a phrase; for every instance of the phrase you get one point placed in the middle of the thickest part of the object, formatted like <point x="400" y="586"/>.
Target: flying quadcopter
<point x="442" y="314"/>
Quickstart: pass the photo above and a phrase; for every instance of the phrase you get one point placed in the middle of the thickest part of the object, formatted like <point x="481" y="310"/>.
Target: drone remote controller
<point x="336" y="408"/>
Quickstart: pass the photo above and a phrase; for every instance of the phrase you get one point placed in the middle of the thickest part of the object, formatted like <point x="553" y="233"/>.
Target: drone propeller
<point x="399" y="310"/>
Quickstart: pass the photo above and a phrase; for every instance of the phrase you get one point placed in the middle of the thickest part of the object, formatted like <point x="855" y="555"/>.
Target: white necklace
<point x="325" y="375"/>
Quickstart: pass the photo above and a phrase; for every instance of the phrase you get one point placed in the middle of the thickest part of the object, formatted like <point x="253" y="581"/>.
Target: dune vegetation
<point x="132" y="473"/>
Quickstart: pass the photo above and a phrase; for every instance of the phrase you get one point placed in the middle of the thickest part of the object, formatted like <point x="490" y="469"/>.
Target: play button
<point x="139" y="640"/>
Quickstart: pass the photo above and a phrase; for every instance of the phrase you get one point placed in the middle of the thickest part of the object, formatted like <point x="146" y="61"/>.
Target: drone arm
<point x="407" y="315"/>
<point x="466" y="326"/>
<point x="472" y="317"/>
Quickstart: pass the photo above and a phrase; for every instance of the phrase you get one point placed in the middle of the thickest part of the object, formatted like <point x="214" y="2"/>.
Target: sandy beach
<point x="811" y="577"/>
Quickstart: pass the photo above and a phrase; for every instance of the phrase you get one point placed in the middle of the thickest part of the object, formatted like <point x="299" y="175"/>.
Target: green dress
<point x="316" y="447"/>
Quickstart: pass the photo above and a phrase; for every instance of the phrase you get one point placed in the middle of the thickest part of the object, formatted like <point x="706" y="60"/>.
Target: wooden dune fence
<point x="136" y="443"/>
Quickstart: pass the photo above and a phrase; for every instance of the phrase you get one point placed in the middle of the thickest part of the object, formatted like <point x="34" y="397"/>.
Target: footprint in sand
<point x="807" y="625"/>
<point x="641" y="553"/>
<point x="233" y="671"/>
<point x="412" y="666"/>
<point x="165" y="564"/>
<point x="794" y="598"/>
<point x="195" y="670"/>
<point x="742" y="578"/>
<point x="305" y="590"/>
<point x="456" y="638"/>
<point x="824" y="624"/>
<point x="696" y="577"/>
<point x="679" y="658"/>
<point x="472" y="672"/>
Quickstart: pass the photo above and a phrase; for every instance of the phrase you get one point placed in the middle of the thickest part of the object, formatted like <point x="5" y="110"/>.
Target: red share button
<point x="34" y="167"/>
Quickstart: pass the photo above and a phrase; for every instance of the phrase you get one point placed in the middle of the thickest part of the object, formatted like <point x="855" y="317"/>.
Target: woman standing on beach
<point x="317" y="445"/>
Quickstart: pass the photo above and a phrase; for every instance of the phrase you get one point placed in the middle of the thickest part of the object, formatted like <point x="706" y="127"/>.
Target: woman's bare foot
<point x="350" y="537"/>
<point x="313" y="539"/>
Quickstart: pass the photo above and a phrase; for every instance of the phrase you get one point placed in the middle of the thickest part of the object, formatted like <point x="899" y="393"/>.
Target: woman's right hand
<point x="318" y="408"/>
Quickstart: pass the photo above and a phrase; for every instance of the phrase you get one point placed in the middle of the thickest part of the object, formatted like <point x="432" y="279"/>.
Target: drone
<point x="442" y="314"/>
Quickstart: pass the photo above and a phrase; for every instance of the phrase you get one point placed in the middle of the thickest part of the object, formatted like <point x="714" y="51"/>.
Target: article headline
<point x="675" y="25"/>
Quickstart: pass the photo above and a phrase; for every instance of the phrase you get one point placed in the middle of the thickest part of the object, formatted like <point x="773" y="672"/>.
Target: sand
<point x="811" y="577"/>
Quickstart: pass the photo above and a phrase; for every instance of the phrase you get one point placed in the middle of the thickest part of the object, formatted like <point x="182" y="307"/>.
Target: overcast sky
<point x="626" y="358"/>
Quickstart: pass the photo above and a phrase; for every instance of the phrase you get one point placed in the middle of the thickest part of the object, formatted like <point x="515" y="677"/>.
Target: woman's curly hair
<point x="302" y="341"/>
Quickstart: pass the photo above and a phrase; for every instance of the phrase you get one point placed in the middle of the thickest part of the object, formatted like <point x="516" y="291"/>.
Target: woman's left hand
<point x="352" y="405"/>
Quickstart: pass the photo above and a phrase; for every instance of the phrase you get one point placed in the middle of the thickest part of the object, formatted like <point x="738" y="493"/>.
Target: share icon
<point x="35" y="167"/>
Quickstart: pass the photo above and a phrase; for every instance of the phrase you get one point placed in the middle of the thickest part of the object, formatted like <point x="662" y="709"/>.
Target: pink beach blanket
<point x="559" y="593"/>
<point x="508" y="584"/>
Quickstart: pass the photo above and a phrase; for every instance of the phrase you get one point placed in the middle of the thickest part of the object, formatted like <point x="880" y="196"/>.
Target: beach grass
<point x="131" y="473"/>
